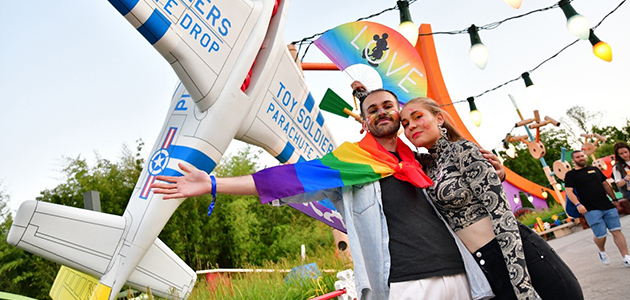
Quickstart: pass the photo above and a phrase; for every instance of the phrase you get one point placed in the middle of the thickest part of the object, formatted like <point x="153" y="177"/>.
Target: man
<point x="592" y="187"/>
<point x="400" y="247"/>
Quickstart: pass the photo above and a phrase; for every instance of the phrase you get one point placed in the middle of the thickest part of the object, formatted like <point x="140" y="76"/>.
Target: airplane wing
<point x="86" y="240"/>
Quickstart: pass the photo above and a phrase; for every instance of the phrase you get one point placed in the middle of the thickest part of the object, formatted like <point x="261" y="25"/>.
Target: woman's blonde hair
<point x="452" y="134"/>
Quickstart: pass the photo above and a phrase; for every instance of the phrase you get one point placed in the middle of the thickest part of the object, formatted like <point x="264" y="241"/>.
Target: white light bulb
<point x="511" y="151"/>
<point x="479" y="55"/>
<point x="532" y="93"/>
<point x="578" y="26"/>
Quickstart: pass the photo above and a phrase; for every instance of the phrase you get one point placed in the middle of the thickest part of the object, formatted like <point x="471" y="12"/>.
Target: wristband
<point x="213" y="181"/>
<point x="578" y="204"/>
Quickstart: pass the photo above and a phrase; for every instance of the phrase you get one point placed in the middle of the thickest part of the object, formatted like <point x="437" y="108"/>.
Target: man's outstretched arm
<point x="196" y="183"/>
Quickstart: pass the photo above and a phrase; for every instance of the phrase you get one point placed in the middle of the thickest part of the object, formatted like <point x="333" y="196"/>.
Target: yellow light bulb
<point x="545" y="194"/>
<point x="475" y="117"/>
<point x="603" y="51"/>
<point x="409" y="30"/>
<point x="516" y="4"/>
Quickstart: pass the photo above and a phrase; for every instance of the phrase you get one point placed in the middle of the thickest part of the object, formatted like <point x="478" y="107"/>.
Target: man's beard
<point x="580" y="164"/>
<point x="385" y="131"/>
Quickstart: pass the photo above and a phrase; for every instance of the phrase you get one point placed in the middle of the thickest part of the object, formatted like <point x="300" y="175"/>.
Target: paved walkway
<point x="598" y="281"/>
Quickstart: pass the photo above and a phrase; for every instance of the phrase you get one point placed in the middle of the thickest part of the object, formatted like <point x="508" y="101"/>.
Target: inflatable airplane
<point x="238" y="80"/>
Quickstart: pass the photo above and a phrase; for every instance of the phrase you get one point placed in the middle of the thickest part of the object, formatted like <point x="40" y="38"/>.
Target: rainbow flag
<point x="349" y="164"/>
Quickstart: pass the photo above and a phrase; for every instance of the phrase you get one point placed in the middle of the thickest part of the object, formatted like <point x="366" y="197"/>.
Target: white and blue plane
<point x="238" y="80"/>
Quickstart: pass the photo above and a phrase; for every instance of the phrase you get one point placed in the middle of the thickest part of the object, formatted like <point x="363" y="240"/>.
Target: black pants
<point x="551" y="277"/>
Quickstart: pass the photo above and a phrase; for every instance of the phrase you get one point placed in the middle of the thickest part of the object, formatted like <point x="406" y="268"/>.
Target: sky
<point x="77" y="80"/>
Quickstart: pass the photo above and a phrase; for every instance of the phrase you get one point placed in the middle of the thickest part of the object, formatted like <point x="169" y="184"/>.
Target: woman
<point x="469" y="194"/>
<point x="622" y="167"/>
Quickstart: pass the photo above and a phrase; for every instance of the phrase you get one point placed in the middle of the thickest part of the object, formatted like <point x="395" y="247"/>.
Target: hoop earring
<point x="443" y="130"/>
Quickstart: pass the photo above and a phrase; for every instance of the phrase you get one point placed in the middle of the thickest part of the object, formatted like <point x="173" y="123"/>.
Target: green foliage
<point x="545" y="214"/>
<point x="240" y="230"/>
<point x="614" y="134"/>
<point x="20" y="272"/>
<point x="525" y="201"/>
<point x="579" y="120"/>
<point x="528" y="167"/>
<point x="113" y="180"/>
<point x="581" y="117"/>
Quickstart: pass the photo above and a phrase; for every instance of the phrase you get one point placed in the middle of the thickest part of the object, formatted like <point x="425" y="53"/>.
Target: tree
<point x="240" y="231"/>
<point x="528" y="167"/>
<point x="21" y="272"/>
<point x="613" y="135"/>
<point x="579" y="120"/>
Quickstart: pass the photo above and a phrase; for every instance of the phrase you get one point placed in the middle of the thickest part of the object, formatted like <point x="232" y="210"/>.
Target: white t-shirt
<point x="617" y="175"/>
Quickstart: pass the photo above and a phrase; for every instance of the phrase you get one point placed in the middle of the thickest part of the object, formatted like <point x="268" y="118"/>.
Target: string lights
<point x="516" y="4"/>
<point x="576" y="24"/>
<point x="510" y="150"/>
<point x="517" y="199"/>
<point x="531" y="90"/>
<point x="475" y="114"/>
<point x="478" y="51"/>
<point x="544" y="194"/>
<point x="533" y="93"/>
<point x="600" y="49"/>
<point x="407" y="27"/>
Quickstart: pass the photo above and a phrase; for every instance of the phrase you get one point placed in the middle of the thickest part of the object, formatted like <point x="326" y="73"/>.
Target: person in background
<point x="590" y="183"/>
<point x="621" y="169"/>
<point x="469" y="194"/>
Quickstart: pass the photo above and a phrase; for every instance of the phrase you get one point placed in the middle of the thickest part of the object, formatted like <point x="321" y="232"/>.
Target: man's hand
<point x="581" y="209"/>
<point x="194" y="183"/>
<point x="495" y="162"/>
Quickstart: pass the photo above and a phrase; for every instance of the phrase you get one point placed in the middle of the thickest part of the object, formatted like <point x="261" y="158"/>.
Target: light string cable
<point x="493" y="25"/>
<point x="310" y="39"/>
<point x="544" y="61"/>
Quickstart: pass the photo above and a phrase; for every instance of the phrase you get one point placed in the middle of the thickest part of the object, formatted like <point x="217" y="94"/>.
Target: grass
<point x="272" y="285"/>
<point x="545" y="214"/>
